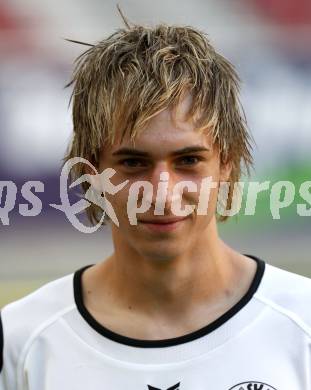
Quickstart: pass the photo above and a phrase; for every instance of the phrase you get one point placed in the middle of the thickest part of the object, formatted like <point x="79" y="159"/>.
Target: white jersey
<point x="51" y="342"/>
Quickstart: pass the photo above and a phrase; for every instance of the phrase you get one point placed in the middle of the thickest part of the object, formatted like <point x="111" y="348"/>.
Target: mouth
<point x="163" y="225"/>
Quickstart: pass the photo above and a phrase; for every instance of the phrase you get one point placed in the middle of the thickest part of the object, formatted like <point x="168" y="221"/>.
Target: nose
<point x="163" y="181"/>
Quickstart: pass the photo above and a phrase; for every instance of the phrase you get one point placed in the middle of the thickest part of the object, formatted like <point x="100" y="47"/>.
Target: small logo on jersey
<point x="175" y="387"/>
<point x="252" y="386"/>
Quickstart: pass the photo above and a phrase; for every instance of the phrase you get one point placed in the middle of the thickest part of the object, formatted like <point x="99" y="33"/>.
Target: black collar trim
<point x="78" y="295"/>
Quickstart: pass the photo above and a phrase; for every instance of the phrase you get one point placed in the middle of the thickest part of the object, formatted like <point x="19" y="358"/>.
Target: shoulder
<point x="287" y="293"/>
<point x="22" y="319"/>
<point x="41" y="305"/>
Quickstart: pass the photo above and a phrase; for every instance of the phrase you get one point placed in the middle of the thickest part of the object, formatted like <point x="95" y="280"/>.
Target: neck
<point x="200" y="274"/>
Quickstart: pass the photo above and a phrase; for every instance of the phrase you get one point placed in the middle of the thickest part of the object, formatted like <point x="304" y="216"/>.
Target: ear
<point x="225" y="170"/>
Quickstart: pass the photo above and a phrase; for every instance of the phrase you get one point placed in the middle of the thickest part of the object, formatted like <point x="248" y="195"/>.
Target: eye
<point x="189" y="160"/>
<point x="133" y="163"/>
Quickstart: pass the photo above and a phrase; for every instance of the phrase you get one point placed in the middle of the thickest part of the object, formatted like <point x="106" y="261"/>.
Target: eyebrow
<point x="137" y="152"/>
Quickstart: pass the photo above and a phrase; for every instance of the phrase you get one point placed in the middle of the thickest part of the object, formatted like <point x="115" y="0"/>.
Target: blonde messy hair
<point x="126" y="79"/>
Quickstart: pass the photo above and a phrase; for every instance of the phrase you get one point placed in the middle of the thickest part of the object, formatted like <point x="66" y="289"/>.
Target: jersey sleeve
<point x="7" y="369"/>
<point x="1" y="356"/>
<point x="1" y="344"/>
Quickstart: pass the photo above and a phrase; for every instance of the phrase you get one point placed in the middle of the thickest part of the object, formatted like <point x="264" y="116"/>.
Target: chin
<point x="164" y="251"/>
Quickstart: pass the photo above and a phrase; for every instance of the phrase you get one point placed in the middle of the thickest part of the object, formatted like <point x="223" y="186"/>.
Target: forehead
<point x="165" y="132"/>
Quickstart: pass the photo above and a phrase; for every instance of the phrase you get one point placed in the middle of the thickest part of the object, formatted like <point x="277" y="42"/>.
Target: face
<point x="177" y="148"/>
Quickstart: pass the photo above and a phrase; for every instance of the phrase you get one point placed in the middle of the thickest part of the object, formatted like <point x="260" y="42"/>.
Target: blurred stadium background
<point x="269" y="41"/>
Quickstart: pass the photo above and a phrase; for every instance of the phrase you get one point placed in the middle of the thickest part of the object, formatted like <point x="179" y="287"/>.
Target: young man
<point x="173" y="307"/>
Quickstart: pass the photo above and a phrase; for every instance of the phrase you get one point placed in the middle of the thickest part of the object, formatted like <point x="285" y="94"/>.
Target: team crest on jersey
<point x="252" y="386"/>
<point x="175" y="387"/>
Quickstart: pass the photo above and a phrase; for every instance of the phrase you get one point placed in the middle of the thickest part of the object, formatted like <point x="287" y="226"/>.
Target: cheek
<point x="121" y="204"/>
<point x="204" y="185"/>
<point x="120" y="199"/>
<point x="205" y="198"/>
<point x="118" y="202"/>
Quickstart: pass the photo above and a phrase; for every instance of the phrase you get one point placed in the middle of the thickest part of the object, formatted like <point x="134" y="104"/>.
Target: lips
<point x="162" y="225"/>
<point x="159" y="221"/>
